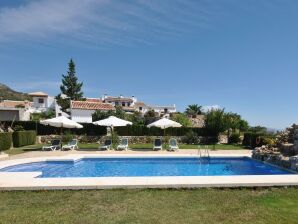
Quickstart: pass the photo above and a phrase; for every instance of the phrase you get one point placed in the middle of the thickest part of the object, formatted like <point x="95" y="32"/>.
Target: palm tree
<point x="193" y="110"/>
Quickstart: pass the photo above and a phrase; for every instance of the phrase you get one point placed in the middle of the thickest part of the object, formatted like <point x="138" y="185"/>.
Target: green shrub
<point x="268" y="141"/>
<point x="234" y="138"/>
<point x="5" y="141"/>
<point x="115" y="139"/>
<point x="67" y="137"/>
<point x="190" y="138"/>
<point x="22" y="138"/>
<point x="252" y="139"/>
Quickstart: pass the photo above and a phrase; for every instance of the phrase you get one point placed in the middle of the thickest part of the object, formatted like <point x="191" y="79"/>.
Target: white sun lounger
<point x="72" y="145"/>
<point x="173" y="145"/>
<point x="55" y="145"/>
<point x="157" y="144"/>
<point x="123" y="144"/>
<point x="107" y="145"/>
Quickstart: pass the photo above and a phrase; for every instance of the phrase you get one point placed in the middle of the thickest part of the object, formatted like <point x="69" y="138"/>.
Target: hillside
<point x="7" y="93"/>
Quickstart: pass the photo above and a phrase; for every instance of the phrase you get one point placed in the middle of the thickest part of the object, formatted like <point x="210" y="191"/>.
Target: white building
<point x="12" y="110"/>
<point x="81" y="111"/>
<point x="163" y="110"/>
<point x="131" y="104"/>
<point x="42" y="101"/>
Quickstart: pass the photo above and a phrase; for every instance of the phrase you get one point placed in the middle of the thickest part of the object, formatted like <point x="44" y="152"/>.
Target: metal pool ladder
<point x="203" y="151"/>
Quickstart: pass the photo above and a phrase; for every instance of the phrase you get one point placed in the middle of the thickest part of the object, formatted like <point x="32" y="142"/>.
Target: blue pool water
<point x="124" y="167"/>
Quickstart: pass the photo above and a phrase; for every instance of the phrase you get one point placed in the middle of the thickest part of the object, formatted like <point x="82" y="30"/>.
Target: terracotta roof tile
<point x="87" y="105"/>
<point x="13" y="104"/>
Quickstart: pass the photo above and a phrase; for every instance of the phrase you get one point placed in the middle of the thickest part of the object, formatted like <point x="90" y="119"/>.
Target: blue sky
<point x="239" y="54"/>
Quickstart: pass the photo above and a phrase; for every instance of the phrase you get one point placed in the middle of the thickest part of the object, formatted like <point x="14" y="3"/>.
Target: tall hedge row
<point x="5" y="141"/>
<point x="252" y="139"/>
<point x="94" y="130"/>
<point x="154" y="131"/>
<point x="88" y="129"/>
<point x="22" y="138"/>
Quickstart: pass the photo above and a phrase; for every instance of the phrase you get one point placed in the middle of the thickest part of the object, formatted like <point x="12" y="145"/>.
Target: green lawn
<point x="185" y="146"/>
<point x="151" y="206"/>
<point x="90" y="146"/>
<point x="28" y="148"/>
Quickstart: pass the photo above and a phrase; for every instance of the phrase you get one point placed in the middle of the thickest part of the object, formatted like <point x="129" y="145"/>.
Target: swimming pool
<point x="144" y="167"/>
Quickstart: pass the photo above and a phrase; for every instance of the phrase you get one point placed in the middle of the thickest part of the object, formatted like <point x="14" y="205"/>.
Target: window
<point x="166" y="110"/>
<point x="140" y="108"/>
<point x="40" y="100"/>
<point x="117" y="103"/>
<point x="123" y="104"/>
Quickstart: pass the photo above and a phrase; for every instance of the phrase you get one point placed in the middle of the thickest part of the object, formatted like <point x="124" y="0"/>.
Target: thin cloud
<point x="102" y="22"/>
<point x="31" y="86"/>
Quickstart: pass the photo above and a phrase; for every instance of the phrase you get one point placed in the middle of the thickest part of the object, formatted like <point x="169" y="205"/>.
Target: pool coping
<point x="27" y="180"/>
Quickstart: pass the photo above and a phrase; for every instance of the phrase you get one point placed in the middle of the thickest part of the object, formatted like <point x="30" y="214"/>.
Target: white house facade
<point x="81" y="111"/>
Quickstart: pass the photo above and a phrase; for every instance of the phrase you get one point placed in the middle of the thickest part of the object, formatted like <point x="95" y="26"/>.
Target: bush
<point x="5" y="141"/>
<point x="191" y="138"/>
<point x="67" y="137"/>
<point x="252" y="139"/>
<point x="234" y="138"/>
<point x="22" y="138"/>
<point x="268" y="141"/>
<point x="115" y="139"/>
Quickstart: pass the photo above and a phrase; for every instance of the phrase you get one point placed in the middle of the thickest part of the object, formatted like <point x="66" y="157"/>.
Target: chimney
<point x="104" y="97"/>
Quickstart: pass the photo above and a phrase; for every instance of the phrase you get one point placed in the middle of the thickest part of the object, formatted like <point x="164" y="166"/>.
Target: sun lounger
<point x="72" y="145"/>
<point x="157" y="144"/>
<point x="107" y="145"/>
<point x="173" y="145"/>
<point x="55" y="145"/>
<point x="123" y="144"/>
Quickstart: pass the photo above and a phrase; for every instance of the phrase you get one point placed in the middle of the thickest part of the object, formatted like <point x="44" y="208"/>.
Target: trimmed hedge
<point x="94" y="130"/>
<point x="22" y="138"/>
<point x="88" y="129"/>
<point x="252" y="139"/>
<point x="154" y="131"/>
<point x="5" y="141"/>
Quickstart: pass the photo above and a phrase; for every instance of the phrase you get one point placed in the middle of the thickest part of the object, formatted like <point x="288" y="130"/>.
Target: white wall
<point x="83" y="116"/>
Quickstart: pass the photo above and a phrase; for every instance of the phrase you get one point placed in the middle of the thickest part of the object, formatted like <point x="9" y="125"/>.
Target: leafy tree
<point x="100" y="115"/>
<point x="43" y="115"/>
<point x="150" y="116"/>
<point x="70" y="87"/>
<point x="193" y="110"/>
<point x="258" y="129"/>
<point x="182" y="119"/>
<point x="235" y="122"/>
<point x="136" y="118"/>
<point x="216" y="121"/>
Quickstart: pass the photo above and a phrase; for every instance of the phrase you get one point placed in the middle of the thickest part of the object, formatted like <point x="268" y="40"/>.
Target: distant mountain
<point x="7" y="93"/>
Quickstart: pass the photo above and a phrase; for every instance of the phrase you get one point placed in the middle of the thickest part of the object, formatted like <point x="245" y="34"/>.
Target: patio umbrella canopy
<point x="165" y="123"/>
<point x="112" y="121"/>
<point x="61" y="122"/>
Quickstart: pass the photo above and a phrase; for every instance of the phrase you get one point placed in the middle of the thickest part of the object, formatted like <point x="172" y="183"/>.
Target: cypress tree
<point x="70" y="88"/>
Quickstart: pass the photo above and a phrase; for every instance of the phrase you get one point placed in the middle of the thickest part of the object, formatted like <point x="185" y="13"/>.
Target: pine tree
<point x="70" y="88"/>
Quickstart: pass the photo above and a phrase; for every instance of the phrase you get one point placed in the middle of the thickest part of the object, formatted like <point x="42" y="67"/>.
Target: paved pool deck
<point x="28" y="180"/>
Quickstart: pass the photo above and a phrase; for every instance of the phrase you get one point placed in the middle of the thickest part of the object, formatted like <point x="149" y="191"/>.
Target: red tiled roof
<point x="13" y="104"/>
<point x="86" y="105"/>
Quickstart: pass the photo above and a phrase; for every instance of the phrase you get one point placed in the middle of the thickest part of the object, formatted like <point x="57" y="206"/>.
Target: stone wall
<point x="198" y="122"/>
<point x="132" y="139"/>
